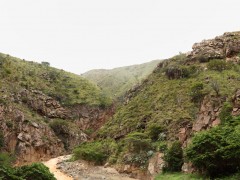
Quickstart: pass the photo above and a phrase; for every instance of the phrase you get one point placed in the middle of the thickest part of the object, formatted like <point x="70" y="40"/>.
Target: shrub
<point x="138" y="159"/>
<point x="44" y="63"/>
<point x="174" y="157"/>
<point x="8" y="173"/>
<point x="202" y="58"/>
<point x="5" y="159"/>
<point x="97" y="152"/>
<point x="59" y="126"/>
<point x="218" y="65"/>
<point x="197" y="93"/>
<point x="215" y="86"/>
<point x="137" y="142"/>
<point x="1" y="140"/>
<point x="226" y="112"/>
<point x="36" y="171"/>
<point x="216" y="151"/>
<point x="154" y="130"/>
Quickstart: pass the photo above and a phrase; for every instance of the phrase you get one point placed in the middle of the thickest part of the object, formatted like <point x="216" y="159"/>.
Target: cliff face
<point x="40" y="115"/>
<point x="29" y="140"/>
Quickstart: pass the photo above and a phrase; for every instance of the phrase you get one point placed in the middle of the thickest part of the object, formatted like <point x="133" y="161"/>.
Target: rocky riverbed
<point x="82" y="170"/>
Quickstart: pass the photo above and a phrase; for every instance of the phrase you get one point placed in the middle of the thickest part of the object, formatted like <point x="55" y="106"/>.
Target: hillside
<point x="44" y="111"/>
<point x="115" y="82"/>
<point x="185" y="95"/>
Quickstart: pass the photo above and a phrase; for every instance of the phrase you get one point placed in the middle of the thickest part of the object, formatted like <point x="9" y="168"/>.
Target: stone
<point x="156" y="164"/>
<point x="217" y="48"/>
<point x="188" y="168"/>
<point x="35" y="125"/>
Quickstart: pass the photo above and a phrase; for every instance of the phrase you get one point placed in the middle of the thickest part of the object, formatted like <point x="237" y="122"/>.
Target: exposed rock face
<point x="90" y="118"/>
<point x="43" y="104"/>
<point x="236" y="103"/>
<point x="156" y="164"/>
<point x="31" y="141"/>
<point x="208" y="114"/>
<point x="225" y="46"/>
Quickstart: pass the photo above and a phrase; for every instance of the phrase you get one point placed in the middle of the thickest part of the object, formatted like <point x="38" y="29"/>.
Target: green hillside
<point x="168" y="101"/>
<point x="65" y="87"/>
<point x="116" y="82"/>
<point x="186" y="94"/>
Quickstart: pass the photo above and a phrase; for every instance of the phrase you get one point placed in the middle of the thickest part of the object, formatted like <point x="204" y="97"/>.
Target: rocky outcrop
<point x="43" y="104"/>
<point x="155" y="165"/>
<point x="225" y="46"/>
<point x="90" y="118"/>
<point x="208" y="114"/>
<point x="31" y="141"/>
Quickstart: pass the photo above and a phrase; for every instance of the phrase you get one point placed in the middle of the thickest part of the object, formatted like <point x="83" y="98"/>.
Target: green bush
<point x="202" y="58"/>
<point x="137" y="142"/>
<point x="97" y="152"/>
<point x="219" y="65"/>
<point x="36" y="171"/>
<point x="137" y="159"/>
<point x="154" y="130"/>
<point x="174" y="157"/>
<point x="8" y="173"/>
<point x="196" y="92"/>
<point x="59" y="126"/>
<point x="5" y="159"/>
<point x="1" y="140"/>
<point x="216" y="151"/>
<point x="226" y="112"/>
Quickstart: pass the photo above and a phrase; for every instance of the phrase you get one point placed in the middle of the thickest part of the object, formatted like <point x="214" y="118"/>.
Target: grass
<point x="179" y="176"/>
<point x="66" y="87"/>
<point x="168" y="102"/>
<point x="116" y="82"/>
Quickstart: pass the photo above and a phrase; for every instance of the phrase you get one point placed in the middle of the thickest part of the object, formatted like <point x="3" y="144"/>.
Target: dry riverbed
<point x="81" y="170"/>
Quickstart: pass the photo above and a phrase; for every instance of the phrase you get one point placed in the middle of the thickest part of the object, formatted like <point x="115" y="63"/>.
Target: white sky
<point x="79" y="35"/>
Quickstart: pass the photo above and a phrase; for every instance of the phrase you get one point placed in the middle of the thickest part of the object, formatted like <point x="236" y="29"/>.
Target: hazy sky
<point x="79" y="35"/>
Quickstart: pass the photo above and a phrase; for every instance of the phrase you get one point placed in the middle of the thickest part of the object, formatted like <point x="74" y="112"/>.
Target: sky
<point x="80" y="35"/>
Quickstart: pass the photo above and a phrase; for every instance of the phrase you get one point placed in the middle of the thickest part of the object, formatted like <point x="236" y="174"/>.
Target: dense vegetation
<point x="116" y="82"/>
<point x="217" y="151"/>
<point x="35" y="171"/>
<point x="65" y="87"/>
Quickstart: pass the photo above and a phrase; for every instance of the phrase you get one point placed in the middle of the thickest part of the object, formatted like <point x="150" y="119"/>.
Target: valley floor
<point x="81" y="170"/>
<point x="52" y="165"/>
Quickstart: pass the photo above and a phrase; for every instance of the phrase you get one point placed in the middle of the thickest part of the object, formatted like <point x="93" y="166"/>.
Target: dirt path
<point x="52" y="165"/>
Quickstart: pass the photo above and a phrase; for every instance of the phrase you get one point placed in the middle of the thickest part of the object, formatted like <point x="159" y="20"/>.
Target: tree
<point x="197" y="92"/>
<point x="174" y="157"/>
<point x="44" y="63"/>
<point x="216" y="151"/>
<point x="137" y="142"/>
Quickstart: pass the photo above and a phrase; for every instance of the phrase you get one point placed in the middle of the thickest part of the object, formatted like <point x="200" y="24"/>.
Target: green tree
<point x="137" y="142"/>
<point x="216" y="151"/>
<point x="174" y="157"/>
<point x="196" y="92"/>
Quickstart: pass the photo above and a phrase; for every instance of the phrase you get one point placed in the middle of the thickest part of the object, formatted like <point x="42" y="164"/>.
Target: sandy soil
<point x="52" y="165"/>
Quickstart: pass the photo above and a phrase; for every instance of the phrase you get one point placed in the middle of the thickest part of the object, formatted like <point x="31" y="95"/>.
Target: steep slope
<point x="44" y="111"/>
<point x="170" y="94"/>
<point x="116" y="82"/>
<point x="185" y="94"/>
